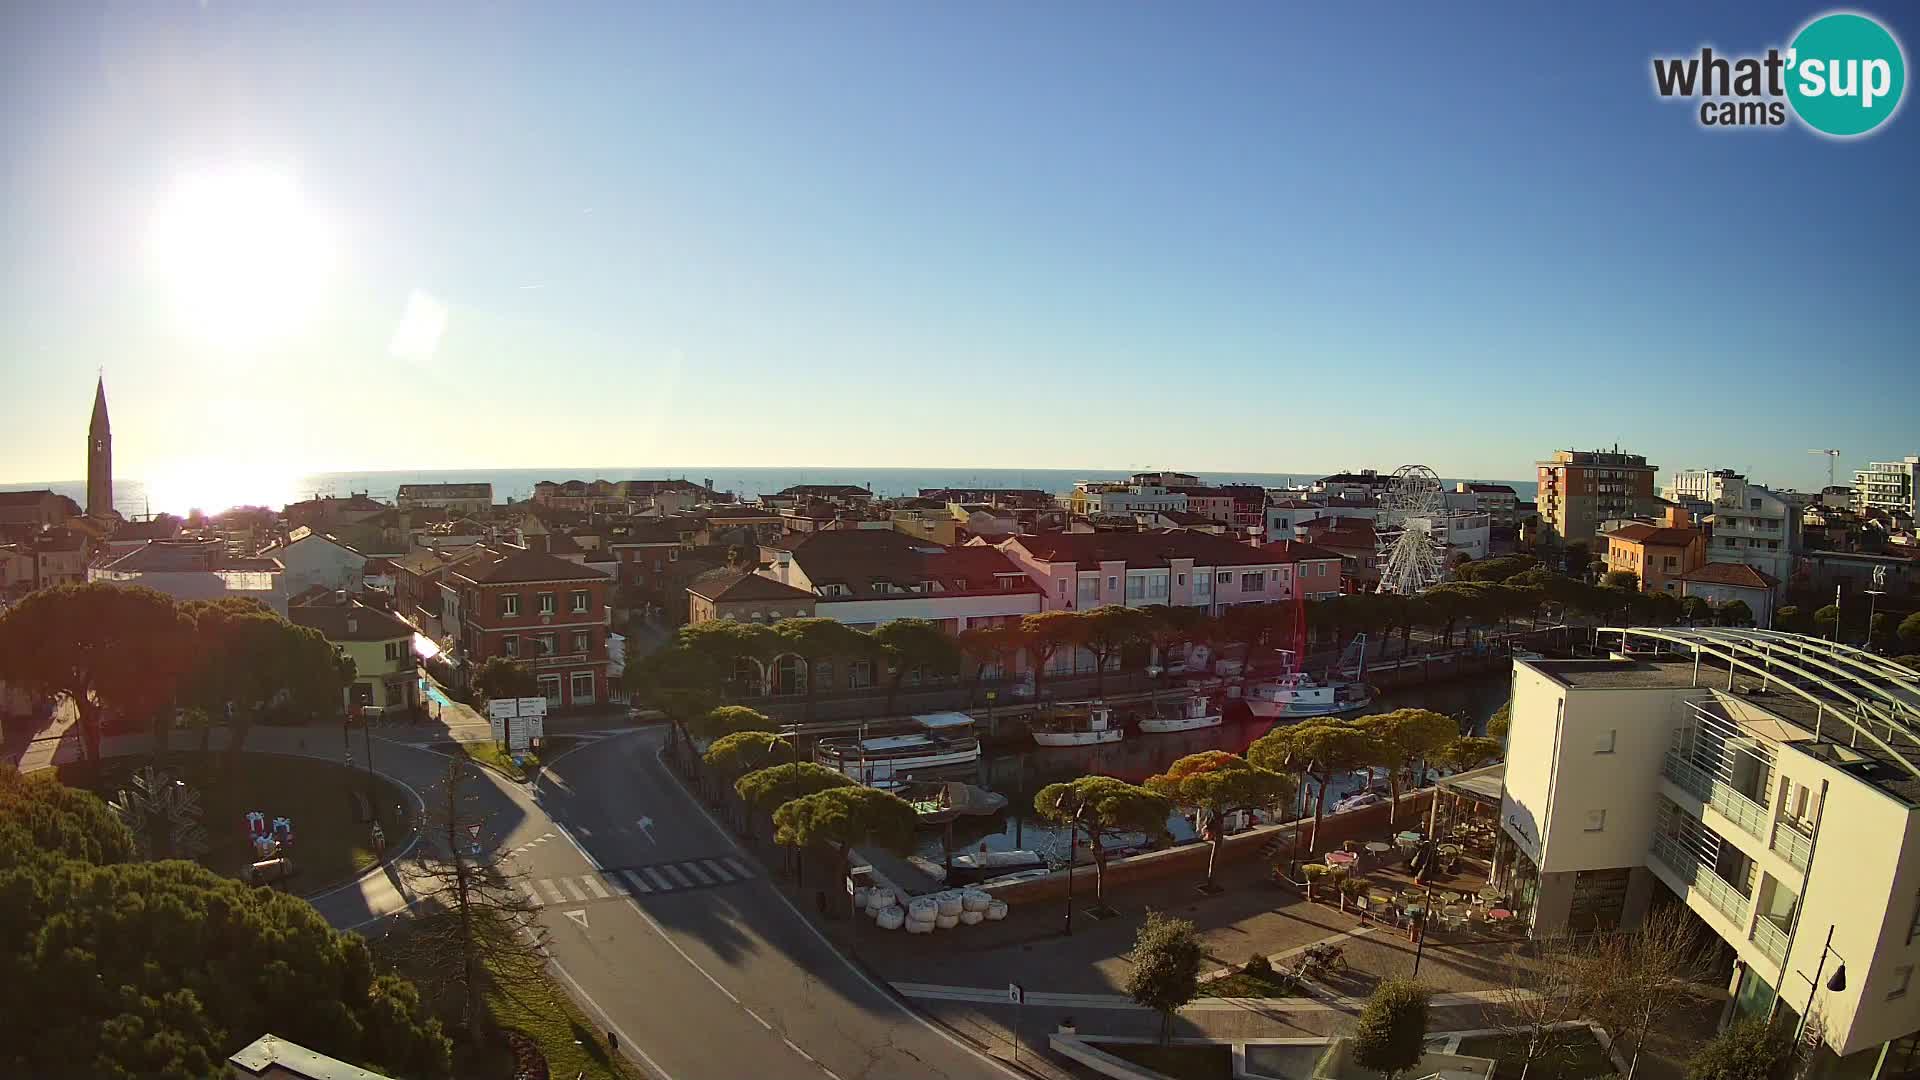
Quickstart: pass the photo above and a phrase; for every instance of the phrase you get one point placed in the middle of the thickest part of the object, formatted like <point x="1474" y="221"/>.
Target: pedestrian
<point x="613" y="1041"/>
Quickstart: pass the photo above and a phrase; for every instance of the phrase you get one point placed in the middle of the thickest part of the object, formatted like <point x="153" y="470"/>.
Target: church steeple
<point x="100" y="456"/>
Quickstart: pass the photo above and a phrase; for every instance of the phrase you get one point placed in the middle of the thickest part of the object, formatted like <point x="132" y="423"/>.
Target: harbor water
<point x="1018" y="774"/>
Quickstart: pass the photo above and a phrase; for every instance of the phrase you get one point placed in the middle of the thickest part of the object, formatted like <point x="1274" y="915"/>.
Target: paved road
<point x="692" y="956"/>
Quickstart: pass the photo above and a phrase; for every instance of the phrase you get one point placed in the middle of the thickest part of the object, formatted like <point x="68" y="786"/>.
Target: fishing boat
<point x="1296" y="694"/>
<point x="1078" y="723"/>
<point x="982" y="865"/>
<point x="936" y="802"/>
<point x="944" y="742"/>
<point x="1188" y="713"/>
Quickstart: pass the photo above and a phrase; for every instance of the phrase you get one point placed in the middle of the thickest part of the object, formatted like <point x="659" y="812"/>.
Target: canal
<point x="1019" y="773"/>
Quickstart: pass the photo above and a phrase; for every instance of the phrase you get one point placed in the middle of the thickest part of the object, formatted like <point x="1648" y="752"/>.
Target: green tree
<point x="1749" y="1050"/>
<point x="1696" y="610"/>
<point x="1105" y="632"/>
<point x="500" y="678"/>
<point x="766" y="790"/>
<point x="1103" y="808"/>
<point x="1577" y="556"/>
<point x="1909" y="631"/>
<point x="1826" y="620"/>
<point x="1734" y="613"/>
<point x="842" y="817"/>
<point x="164" y="969"/>
<point x="1470" y="752"/>
<point x="914" y="643"/>
<point x="680" y="681"/>
<point x="1213" y="784"/>
<point x="1322" y="749"/>
<point x="997" y="646"/>
<point x="1402" y="736"/>
<point x="1045" y="634"/>
<point x="43" y="819"/>
<point x="1663" y="609"/>
<point x="745" y="751"/>
<point x="256" y="663"/>
<point x="1169" y="625"/>
<point x="1447" y="604"/>
<point x="106" y="647"/>
<point x="1500" y="721"/>
<point x="1791" y="618"/>
<point x="817" y="640"/>
<point x="725" y="720"/>
<point x="1621" y="579"/>
<point x="1880" y="631"/>
<point x="1392" y="1032"/>
<point x="1164" y="971"/>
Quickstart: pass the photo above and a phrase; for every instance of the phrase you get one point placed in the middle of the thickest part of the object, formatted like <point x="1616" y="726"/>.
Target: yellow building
<point x="380" y="643"/>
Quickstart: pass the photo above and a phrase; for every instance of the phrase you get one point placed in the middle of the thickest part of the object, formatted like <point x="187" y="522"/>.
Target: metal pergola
<point x="1878" y="700"/>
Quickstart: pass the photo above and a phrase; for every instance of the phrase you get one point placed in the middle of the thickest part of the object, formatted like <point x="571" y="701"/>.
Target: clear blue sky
<point x="1214" y="236"/>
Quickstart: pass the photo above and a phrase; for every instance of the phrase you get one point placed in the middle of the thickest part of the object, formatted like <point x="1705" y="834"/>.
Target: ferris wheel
<point x="1411" y="560"/>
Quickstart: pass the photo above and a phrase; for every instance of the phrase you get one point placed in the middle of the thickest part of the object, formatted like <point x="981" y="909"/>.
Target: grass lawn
<point x="536" y="1006"/>
<point x="1178" y="1062"/>
<point x="1242" y="985"/>
<point x="330" y="845"/>
<point x="1581" y="1059"/>
<point x="488" y="753"/>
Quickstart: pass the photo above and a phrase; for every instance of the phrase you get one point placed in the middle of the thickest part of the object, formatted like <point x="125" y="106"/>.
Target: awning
<point x="1482" y="785"/>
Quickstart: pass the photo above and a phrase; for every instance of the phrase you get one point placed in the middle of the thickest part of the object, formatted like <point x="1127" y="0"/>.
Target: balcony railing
<point x="1792" y="845"/>
<point x="1716" y="793"/>
<point x="1686" y="866"/>
<point x="1771" y="938"/>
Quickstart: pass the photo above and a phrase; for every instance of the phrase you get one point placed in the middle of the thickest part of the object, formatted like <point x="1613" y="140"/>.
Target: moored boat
<point x="981" y="865"/>
<point x="945" y="742"/>
<point x="1296" y="695"/>
<point x="1180" y="714"/>
<point x="1078" y="723"/>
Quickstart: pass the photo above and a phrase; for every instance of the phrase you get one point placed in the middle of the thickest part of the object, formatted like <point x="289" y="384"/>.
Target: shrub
<point x="1258" y="966"/>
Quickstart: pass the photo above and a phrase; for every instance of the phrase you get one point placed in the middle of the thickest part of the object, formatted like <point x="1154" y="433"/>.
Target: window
<point x="1604" y="742"/>
<point x="550" y="688"/>
<point x="581" y="640"/>
<point x="1180" y="579"/>
<point x="656" y="566"/>
<point x="859" y="674"/>
<point x="510" y="603"/>
<point x="582" y="687"/>
<point x="394" y="649"/>
<point x="1226" y="577"/>
<point x="1596" y="821"/>
<point x="1113" y="582"/>
<point x="1136" y="586"/>
<point x="512" y="646"/>
<point x="673" y="554"/>
<point x="545" y="641"/>
<point x="579" y="606"/>
<point x="1060" y="586"/>
<point x="546" y="602"/>
<point x="1902" y="978"/>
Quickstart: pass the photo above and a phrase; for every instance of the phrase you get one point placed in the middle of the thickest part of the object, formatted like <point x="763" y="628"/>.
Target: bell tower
<point x="100" y="456"/>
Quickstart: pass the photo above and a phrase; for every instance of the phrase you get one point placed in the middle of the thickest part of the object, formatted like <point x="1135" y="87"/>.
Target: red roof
<point x="1138" y="549"/>
<point x="492" y="567"/>
<point x="1737" y="574"/>
<point x="1293" y="551"/>
<point x="1655" y="535"/>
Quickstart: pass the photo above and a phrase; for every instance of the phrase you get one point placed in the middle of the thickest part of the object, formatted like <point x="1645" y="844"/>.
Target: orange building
<point x="1657" y="554"/>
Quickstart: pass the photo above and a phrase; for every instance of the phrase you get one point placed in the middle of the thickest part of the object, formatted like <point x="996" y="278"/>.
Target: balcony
<point x="1731" y="804"/>
<point x="1771" y="937"/>
<point x="1686" y="866"/>
<point x="1792" y="845"/>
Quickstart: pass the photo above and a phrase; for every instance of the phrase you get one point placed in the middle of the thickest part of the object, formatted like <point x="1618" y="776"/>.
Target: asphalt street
<point x="691" y="955"/>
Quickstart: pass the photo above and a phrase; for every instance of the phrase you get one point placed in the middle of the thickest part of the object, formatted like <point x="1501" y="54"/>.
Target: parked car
<point x="1357" y="802"/>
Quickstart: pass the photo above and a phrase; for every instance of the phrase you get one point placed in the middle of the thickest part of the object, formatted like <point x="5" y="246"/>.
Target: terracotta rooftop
<point x="1655" y="535"/>
<point x="730" y="584"/>
<point x="502" y="567"/>
<point x="1141" y="549"/>
<point x="1293" y="551"/>
<point x="860" y="558"/>
<point x="1738" y="574"/>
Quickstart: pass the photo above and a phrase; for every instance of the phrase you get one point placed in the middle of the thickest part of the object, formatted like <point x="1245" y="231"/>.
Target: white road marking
<point x="795" y="1047"/>
<point x="635" y="879"/>
<point x="757" y="1016"/>
<point x="674" y="873"/>
<point x="553" y="890"/>
<point x="734" y="865"/>
<point x="617" y="885"/>
<point x="694" y="869"/>
<point x="716" y="869"/>
<point x="665" y="885"/>
<point x="573" y="890"/>
<point x="533" y="894"/>
<point x="578" y="916"/>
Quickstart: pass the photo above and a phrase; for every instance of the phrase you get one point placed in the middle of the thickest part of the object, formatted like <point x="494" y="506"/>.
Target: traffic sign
<point x="1016" y="993"/>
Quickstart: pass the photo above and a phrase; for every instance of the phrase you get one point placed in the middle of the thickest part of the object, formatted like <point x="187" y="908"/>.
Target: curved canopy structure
<point x="1877" y="700"/>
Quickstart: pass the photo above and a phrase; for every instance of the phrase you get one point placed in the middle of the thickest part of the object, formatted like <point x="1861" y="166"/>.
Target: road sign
<point x="1016" y="993"/>
<point x="473" y="831"/>
<point x="517" y="721"/>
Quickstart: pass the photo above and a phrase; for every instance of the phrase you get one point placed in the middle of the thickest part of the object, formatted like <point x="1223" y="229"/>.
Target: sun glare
<point x="242" y="256"/>
<point x="213" y="486"/>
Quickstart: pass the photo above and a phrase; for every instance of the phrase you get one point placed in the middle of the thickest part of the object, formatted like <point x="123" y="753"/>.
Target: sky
<point x="1214" y="236"/>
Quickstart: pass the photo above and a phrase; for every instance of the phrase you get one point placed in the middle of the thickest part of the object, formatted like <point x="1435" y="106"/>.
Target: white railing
<point x="1771" y="939"/>
<point x="1792" y="845"/>
<point x="1716" y="793"/>
<point x="1686" y="866"/>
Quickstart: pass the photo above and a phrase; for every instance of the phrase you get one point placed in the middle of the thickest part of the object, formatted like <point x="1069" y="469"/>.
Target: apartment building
<point x="197" y="570"/>
<point x="532" y="607"/>
<point x="1752" y="525"/>
<point x="1498" y="501"/>
<point x="866" y="577"/>
<point x="380" y="643"/>
<point x="1579" y="489"/>
<point x="459" y="498"/>
<point x="1886" y="485"/>
<point x="1081" y="571"/>
<point x="1659" y="555"/>
<point x="1768" y="781"/>
<point x="1091" y="498"/>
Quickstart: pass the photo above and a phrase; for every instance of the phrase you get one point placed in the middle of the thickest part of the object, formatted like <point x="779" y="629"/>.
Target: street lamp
<point x="1836" y="984"/>
<point x="1073" y="852"/>
<point x="1873" y="599"/>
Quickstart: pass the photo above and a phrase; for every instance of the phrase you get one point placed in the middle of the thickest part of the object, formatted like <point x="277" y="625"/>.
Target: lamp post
<point x="1836" y="984"/>
<point x="1073" y="855"/>
<point x="1873" y="599"/>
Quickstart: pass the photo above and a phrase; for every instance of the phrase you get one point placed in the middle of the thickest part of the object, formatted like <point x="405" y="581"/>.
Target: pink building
<point x="1079" y="571"/>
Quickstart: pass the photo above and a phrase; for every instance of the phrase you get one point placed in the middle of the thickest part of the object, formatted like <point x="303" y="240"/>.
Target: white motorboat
<point x="945" y="742"/>
<point x="1180" y="714"/>
<point x="982" y="865"/>
<point x="1296" y="695"/>
<point x="1078" y="723"/>
<point x="936" y="802"/>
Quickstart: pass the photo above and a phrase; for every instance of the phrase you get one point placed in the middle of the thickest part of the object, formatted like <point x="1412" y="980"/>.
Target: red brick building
<point x="645" y="551"/>
<point x="542" y="610"/>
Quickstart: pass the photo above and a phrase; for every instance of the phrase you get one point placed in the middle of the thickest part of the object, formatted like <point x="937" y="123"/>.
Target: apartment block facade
<point x="1768" y="781"/>
<point x="1580" y="489"/>
<point x="1887" y="485"/>
<point x="539" y="609"/>
<point x="1752" y="525"/>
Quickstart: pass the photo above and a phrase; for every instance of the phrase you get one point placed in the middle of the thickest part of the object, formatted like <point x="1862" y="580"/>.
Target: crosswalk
<point x="614" y="884"/>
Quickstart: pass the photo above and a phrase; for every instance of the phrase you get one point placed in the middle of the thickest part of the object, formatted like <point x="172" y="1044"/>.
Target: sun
<point x="240" y="253"/>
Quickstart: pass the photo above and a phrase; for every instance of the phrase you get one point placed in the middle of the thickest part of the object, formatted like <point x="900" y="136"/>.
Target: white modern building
<point x="1092" y="499"/>
<point x="1752" y="525"/>
<point x="313" y="558"/>
<point x="1768" y="781"/>
<point x="1886" y="485"/>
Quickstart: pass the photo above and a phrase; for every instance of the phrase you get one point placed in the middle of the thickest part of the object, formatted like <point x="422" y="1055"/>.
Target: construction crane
<point x="1833" y="458"/>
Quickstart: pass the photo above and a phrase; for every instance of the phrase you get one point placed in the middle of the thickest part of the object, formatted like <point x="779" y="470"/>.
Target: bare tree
<point x="481" y="925"/>
<point x="1538" y="1008"/>
<point x="1636" y="978"/>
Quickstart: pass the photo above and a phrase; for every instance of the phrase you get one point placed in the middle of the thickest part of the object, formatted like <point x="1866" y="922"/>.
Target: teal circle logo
<point x="1845" y="74"/>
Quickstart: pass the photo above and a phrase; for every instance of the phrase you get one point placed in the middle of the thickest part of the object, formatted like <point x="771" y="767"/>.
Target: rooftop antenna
<point x="1833" y="457"/>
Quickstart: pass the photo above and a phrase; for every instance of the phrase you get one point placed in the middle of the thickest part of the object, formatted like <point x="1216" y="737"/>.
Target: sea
<point x="135" y="498"/>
